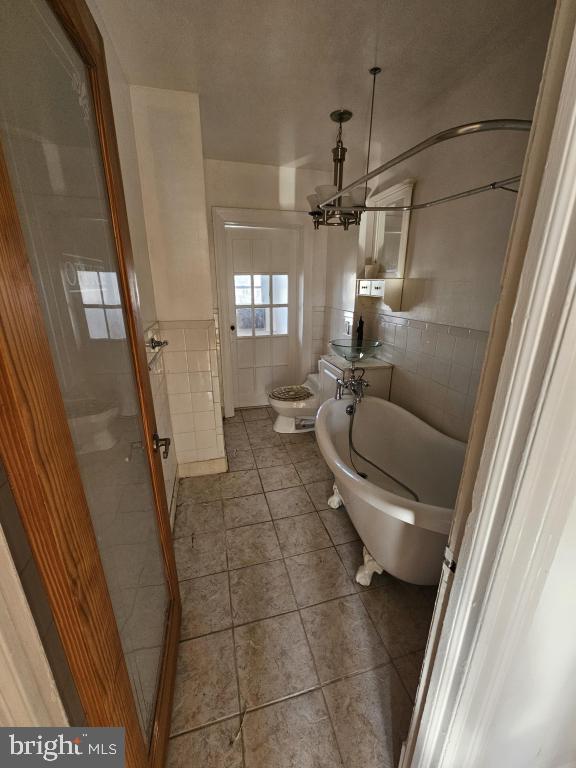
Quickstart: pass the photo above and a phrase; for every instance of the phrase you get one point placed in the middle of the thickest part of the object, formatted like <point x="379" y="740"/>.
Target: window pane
<point x="96" y="323"/>
<point x="115" y="323"/>
<point x="261" y="289"/>
<point x="242" y="289"/>
<point x="110" y="290"/>
<point x="89" y="287"/>
<point x="262" y="321"/>
<point x="280" y="289"/>
<point x="280" y="320"/>
<point x="243" y="322"/>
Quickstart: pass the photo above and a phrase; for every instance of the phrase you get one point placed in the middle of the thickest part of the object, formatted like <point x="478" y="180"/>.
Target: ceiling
<point x="269" y="72"/>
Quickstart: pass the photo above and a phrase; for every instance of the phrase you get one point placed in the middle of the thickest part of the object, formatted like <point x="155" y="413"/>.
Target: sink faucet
<point x="354" y="384"/>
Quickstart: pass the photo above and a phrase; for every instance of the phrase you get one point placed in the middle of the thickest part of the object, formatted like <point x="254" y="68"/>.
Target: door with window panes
<point x="261" y="273"/>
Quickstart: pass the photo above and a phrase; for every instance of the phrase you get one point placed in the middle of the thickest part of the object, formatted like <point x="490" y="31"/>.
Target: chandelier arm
<point x="467" y="129"/>
<point x="428" y="204"/>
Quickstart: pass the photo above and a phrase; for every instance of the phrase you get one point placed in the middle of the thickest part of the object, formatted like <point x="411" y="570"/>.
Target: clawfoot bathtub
<point x="403" y="526"/>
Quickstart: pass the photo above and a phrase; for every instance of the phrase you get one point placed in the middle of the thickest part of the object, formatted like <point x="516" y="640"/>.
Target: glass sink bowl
<point x="353" y="351"/>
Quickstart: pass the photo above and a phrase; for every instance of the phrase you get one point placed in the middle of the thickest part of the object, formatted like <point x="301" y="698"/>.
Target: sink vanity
<point x="334" y="367"/>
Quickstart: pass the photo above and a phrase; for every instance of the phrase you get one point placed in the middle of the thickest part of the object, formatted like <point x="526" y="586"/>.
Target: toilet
<point x="90" y="421"/>
<point x="296" y="405"/>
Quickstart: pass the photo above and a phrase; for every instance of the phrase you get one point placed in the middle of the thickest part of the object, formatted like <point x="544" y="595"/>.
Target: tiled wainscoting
<point x="162" y="412"/>
<point x="191" y="366"/>
<point x="436" y="367"/>
<point x="284" y="659"/>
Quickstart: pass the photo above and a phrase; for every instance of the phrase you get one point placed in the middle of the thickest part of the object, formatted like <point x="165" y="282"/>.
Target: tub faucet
<point x="355" y="384"/>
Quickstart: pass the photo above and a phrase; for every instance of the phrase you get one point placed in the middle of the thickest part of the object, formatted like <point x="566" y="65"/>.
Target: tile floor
<point x="276" y="634"/>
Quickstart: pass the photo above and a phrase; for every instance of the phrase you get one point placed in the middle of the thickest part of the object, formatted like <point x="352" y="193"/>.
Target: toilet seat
<point x="291" y="393"/>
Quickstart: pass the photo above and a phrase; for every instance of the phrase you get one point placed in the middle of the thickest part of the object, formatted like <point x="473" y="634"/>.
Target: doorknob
<point x="232" y="327"/>
<point x="161" y="442"/>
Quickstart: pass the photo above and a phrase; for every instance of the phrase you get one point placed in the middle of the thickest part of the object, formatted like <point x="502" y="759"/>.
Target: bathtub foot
<point x="365" y="572"/>
<point x="335" y="500"/>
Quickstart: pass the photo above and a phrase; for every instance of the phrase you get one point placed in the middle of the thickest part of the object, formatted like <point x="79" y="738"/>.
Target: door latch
<point x="161" y="442"/>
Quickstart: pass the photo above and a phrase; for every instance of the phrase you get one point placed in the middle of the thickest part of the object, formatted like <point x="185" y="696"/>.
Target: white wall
<point x="169" y="146"/>
<point x="169" y="141"/>
<point x="268" y="187"/>
<point x="533" y="721"/>
<point x="121" y="104"/>
<point x="341" y="268"/>
<point x="264" y="187"/>
<point x="455" y="251"/>
<point x="273" y="188"/>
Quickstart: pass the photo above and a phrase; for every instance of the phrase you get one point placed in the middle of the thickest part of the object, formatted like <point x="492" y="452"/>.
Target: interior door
<point x="77" y="417"/>
<point x="261" y="269"/>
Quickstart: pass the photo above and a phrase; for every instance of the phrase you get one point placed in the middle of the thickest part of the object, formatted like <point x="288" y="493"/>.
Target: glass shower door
<point x="50" y="140"/>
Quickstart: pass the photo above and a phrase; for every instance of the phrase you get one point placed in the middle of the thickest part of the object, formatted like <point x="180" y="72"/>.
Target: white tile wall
<point x="163" y="387"/>
<point x="436" y="367"/>
<point x="193" y="384"/>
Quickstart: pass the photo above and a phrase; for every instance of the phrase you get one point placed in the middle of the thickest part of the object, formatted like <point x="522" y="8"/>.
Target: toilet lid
<point x="292" y="392"/>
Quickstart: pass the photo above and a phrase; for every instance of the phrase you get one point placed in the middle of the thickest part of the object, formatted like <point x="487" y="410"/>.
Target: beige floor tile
<point x="236" y="419"/>
<point x="240" y="458"/>
<point x="339" y="525"/>
<point x="303" y="452"/>
<point x="320" y="492"/>
<point x="243" y="483"/>
<point x="260" y="591"/>
<point x="200" y="554"/>
<point x="401" y="614"/>
<point x="409" y="668"/>
<point x="318" y="576"/>
<point x="252" y="544"/>
<point x="210" y="747"/>
<point x="206" y="688"/>
<point x="288" y="502"/>
<point x="203" y="488"/>
<point x="271" y="456"/>
<point x="144" y="627"/>
<point x="275" y="478"/>
<point x="273" y="659"/>
<point x="205" y="605"/>
<point x="261" y="433"/>
<point x="292" y="734"/>
<point x="342" y="638"/>
<point x="312" y="471"/>
<point x="303" y="533"/>
<point x="255" y="414"/>
<point x="351" y="555"/>
<point x="235" y="436"/>
<point x="298" y="438"/>
<point x="371" y="715"/>
<point x="198" y="517"/>
<point x="246" y="510"/>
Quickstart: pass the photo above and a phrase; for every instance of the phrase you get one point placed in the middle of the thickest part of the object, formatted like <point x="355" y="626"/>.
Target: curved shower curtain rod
<point x="482" y="126"/>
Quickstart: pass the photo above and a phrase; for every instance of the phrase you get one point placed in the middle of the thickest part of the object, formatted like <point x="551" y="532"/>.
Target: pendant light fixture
<point x="334" y="215"/>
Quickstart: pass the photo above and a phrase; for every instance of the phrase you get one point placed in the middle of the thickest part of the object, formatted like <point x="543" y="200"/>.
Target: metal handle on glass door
<point x="161" y="442"/>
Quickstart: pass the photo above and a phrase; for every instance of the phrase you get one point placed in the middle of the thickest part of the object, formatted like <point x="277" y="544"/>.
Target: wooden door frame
<point x="293" y="220"/>
<point x="38" y="453"/>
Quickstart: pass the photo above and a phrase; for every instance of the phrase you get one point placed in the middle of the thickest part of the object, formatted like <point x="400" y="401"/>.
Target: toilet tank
<point x="332" y="367"/>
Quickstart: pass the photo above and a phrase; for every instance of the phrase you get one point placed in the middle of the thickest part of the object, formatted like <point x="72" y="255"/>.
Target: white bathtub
<point x="406" y="537"/>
